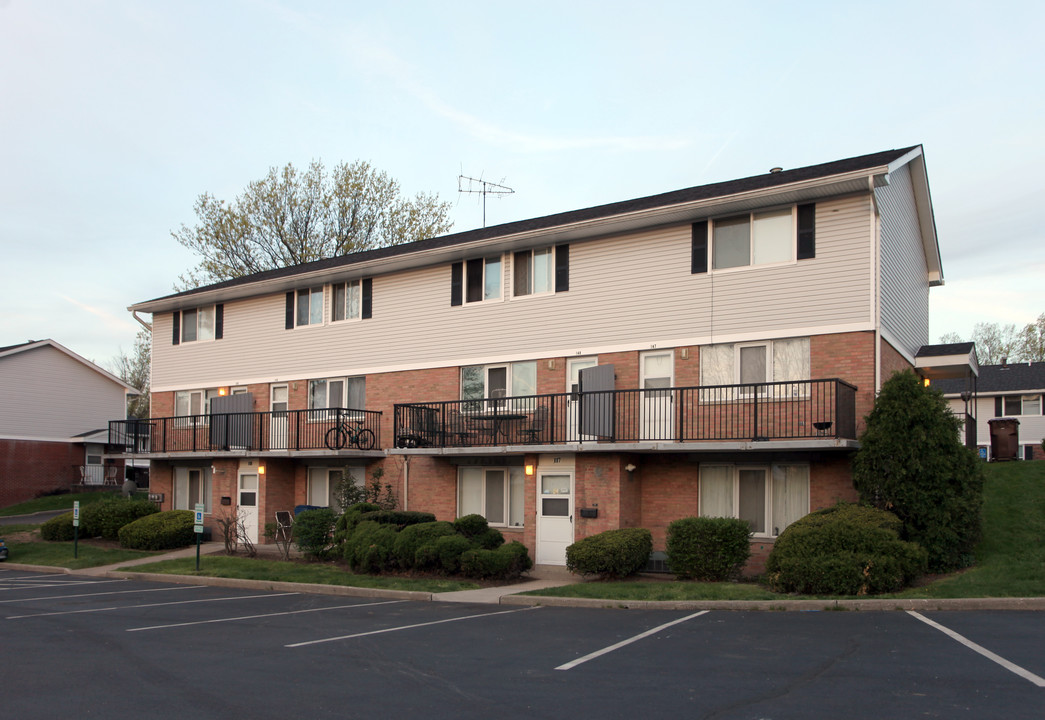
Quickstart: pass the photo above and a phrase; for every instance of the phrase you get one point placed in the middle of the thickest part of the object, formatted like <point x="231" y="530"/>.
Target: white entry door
<point x="657" y="407"/>
<point x="554" y="517"/>
<point x="248" y="504"/>
<point x="573" y="410"/>
<point x="278" y="420"/>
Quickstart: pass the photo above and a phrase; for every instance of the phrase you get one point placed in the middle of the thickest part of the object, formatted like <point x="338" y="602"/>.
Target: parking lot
<point x="77" y="646"/>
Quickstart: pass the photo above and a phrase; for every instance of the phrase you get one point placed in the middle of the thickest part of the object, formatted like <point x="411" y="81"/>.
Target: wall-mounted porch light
<point x="529" y="469"/>
<point x="261" y="469"/>
<point x="223" y="391"/>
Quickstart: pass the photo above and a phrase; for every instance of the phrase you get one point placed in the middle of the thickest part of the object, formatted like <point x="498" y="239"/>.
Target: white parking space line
<point x="148" y="605"/>
<point x="265" y="615"/>
<point x="110" y="592"/>
<point x="4" y="578"/>
<point x="28" y="585"/>
<point x="616" y="646"/>
<point x="407" y="627"/>
<point x="1011" y="667"/>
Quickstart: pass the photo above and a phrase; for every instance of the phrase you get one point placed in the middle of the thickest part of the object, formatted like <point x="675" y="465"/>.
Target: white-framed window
<point x="343" y="392"/>
<point x="763" y="362"/>
<point x="768" y="497"/>
<point x="760" y="238"/>
<point x="197" y="324"/>
<point x="482" y="382"/>
<point x="346" y="301"/>
<point x="193" y="402"/>
<point x="495" y="493"/>
<point x="482" y="279"/>
<point x="1022" y="405"/>
<point x="309" y="307"/>
<point x="192" y="485"/>
<point x="533" y="272"/>
<point x="323" y="482"/>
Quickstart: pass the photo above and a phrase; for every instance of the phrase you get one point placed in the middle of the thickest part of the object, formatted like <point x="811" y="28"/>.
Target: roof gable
<point x="10" y="350"/>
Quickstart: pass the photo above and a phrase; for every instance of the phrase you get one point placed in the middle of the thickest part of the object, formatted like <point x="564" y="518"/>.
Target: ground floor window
<point x="768" y="497"/>
<point x="494" y="493"/>
<point x="191" y="486"/>
<point x="323" y="484"/>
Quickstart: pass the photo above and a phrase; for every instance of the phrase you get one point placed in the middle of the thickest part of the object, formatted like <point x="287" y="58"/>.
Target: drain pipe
<point x="406" y="482"/>
<point x="147" y="326"/>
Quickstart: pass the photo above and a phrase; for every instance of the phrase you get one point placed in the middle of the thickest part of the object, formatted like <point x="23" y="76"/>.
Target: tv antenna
<point x="482" y="187"/>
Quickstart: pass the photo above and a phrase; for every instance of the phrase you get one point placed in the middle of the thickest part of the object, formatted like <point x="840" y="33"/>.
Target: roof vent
<point x="1004" y="362"/>
<point x="775" y="170"/>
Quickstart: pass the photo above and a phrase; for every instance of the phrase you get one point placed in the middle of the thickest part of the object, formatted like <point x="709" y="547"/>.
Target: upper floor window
<point x="345" y="392"/>
<point x="347" y="300"/>
<point x="759" y="238"/>
<point x="309" y="307"/>
<point x="193" y="402"/>
<point x="197" y="324"/>
<point x="762" y="362"/>
<point x="1020" y="405"/>
<point x="480" y="382"/>
<point x="477" y="280"/>
<point x="533" y="272"/>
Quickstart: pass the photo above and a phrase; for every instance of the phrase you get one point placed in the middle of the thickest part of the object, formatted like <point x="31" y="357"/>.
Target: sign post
<point x="76" y="528"/>
<point x="198" y="528"/>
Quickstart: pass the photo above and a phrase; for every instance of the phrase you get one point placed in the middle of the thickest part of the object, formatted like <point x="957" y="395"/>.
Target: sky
<point x="116" y="115"/>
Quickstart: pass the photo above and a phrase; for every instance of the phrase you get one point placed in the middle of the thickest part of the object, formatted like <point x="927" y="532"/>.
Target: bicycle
<point x="349" y="431"/>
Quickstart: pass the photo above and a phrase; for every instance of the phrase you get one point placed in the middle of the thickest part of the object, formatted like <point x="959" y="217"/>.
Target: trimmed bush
<point x="471" y="526"/>
<point x="401" y="518"/>
<point x="708" y="549"/>
<point x="844" y="550"/>
<point x="346" y="523"/>
<point x="58" y="528"/>
<point x="412" y="537"/>
<point x="490" y="539"/>
<point x="314" y="532"/>
<point x="505" y="563"/>
<point x="450" y="548"/>
<point x="160" y="531"/>
<point x="611" y="554"/>
<point x="105" y="518"/>
<point x="371" y="547"/>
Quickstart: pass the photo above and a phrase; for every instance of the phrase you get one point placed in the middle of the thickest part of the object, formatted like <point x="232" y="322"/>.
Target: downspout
<point x="406" y="482"/>
<point x="147" y="326"/>
<point x="876" y="233"/>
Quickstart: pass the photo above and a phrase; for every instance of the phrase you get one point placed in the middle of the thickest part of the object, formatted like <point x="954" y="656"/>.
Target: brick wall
<point x="892" y="361"/>
<point x="29" y="468"/>
<point x="849" y="357"/>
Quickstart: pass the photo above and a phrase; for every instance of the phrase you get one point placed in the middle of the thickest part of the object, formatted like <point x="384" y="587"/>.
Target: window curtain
<point x="470" y="492"/>
<point x="716" y="491"/>
<point x="790" y="495"/>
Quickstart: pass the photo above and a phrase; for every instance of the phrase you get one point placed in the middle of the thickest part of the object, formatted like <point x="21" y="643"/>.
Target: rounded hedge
<point x="708" y="549"/>
<point x="844" y="550"/>
<point x="371" y="547"/>
<point x="313" y="531"/>
<point x="401" y="518"/>
<point x="159" y="531"/>
<point x="105" y="517"/>
<point x="58" y="528"/>
<point x="411" y="538"/>
<point x="611" y="554"/>
<point x="507" y="562"/>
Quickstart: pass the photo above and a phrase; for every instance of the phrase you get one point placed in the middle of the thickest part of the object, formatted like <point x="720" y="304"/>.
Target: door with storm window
<point x="248" y="504"/>
<point x="657" y="407"/>
<point x="573" y="400"/>
<point x="278" y="420"/>
<point x="554" y="517"/>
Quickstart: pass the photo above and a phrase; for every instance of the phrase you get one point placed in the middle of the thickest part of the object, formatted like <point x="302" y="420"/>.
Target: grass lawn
<point x="59" y="502"/>
<point x="277" y="570"/>
<point x="1010" y="559"/>
<point x="60" y="554"/>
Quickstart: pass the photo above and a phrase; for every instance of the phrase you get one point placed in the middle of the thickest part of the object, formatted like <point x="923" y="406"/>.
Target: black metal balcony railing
<point x="254" y="431"/>
<point x="762" y="411"/>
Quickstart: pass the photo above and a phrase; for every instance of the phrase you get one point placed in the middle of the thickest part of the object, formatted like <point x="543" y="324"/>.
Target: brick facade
<point x="29" y="468"/>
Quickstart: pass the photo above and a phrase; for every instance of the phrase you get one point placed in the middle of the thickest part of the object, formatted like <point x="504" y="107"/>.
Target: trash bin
<point x="1005" y="438"/>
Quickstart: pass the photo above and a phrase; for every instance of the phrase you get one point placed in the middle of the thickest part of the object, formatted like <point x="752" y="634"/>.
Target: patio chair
<point x="284" y="532"/>
<point x="535" y="430"/>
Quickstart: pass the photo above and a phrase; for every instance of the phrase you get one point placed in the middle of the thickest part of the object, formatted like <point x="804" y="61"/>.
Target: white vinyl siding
<point x="45" y="394"/>
<point x="606" y="276"/>
<point x="905" y="282"/>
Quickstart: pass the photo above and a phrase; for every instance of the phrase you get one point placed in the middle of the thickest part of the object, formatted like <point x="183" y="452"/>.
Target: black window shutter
<point x="562" y="268"/>
<point x="806" y="231"/>
<point x="177" y="328"/>
<point x="699" y="248"/>
<point x="456" y="282"/>
<point x="999" y="407"/>
<point x="219" y="321"/>
<point x="290" y="310"/>
<point x="368" y="294"/>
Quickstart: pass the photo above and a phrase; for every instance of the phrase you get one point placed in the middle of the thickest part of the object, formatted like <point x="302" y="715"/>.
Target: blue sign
<point x="983" y="453"/>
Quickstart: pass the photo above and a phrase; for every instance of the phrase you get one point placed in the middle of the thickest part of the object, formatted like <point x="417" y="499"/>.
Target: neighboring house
<point x="1014" y="391"/>
<point x="54" y="422"/>
<point x="710" y="351"/>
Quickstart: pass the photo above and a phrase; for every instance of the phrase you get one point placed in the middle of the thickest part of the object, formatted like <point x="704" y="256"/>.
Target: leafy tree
<point x="912" y="463"/>
<point x="295" y="216"/>
<point x="995" y="341"/>
<point x="134" y="369"/>
<point x="1032" y="341"/>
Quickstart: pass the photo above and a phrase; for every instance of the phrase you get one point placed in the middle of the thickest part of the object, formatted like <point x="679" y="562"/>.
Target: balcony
<point x="289" y="430"/>
<point x="811" y="409"/>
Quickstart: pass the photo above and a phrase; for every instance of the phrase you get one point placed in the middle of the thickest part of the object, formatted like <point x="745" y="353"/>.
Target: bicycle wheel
<point x="365" y="439"/>
<point x="336" y="438"/>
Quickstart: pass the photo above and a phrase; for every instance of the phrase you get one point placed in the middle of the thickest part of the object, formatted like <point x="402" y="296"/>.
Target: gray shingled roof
<point x="652" y="202"/>
<point x="962" y="348"/>
<point x="996" y="379"/>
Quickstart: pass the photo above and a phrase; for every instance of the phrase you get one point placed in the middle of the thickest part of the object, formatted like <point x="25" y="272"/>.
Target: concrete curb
<point x="873" y="604"/>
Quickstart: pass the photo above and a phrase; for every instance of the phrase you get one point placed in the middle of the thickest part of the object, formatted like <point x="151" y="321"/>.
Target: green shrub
<point x="611" y="554"/>
<point x="160" y="531"/>
<point x="314" y="532"/>
<point x="471" y="526"/>
<point x="371" y="546"/>
<point x="912" y="462"/>
<point x="505" y="563"/>
<point x="490" y="539"/>
<point x="450" y="548"/>
<point x="412" y="537"/>
<point x="427" y="557"/>
<point x="105" y="517"/>
<point x="401" y="518"/>
<point x="58" y="528"/>
<point x="844" y="550"/>
<point x="708" y="549"/>
<point x="346" y="523"/>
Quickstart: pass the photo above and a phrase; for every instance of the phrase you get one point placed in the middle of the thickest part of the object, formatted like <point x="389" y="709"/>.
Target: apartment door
<point x="248" y="504"/>
<point x="554" y="517"/>
<point x="657" y="408"/>
<point x="278" y="420"/>
<point x="573" y="414"/>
